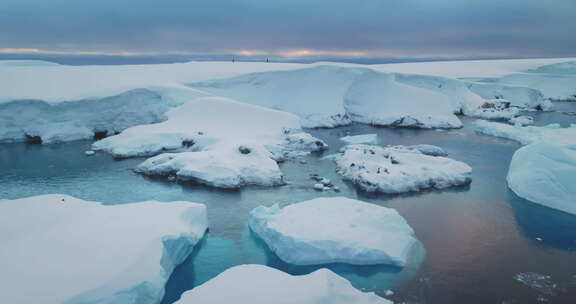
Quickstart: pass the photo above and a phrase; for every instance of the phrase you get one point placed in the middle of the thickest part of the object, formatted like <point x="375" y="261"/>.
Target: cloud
<point x="301" y="28"/>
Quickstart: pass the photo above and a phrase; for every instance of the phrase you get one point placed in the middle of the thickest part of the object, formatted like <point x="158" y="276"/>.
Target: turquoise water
<point x="477" y="238"/>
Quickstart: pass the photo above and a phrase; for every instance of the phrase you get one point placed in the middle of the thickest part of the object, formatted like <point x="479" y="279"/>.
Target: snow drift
<point x="59" y="249"/>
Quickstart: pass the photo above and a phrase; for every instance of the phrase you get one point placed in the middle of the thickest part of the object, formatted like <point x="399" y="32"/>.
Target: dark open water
<point x="477" y="238"/>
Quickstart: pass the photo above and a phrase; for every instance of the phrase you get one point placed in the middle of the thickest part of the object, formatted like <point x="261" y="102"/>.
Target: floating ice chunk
<point x="522" y="120"/>
<point x="361" y="139"/>
<point x="335" y="230"/>
<point x="73" y="251"/>
<point x="545" y="173"/>
<point x="89" y="153"/>
<point x="528" y="134"/>
<point x="258" y="284"/>
<point x="223" y="166"/>
<point x="397" y="169"/>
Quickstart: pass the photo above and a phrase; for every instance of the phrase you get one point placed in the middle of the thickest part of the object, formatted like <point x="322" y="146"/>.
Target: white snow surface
<point x="335" y="230"/>
<point x="360" y="139"/>
<point x="59" y="249"/>
<point x="377" y="98"/>
<point x="54" y="103"/>
<point x="81" y="119"/>
<point x="258" y="284"/>
<point x="222" y="166"/>
<point x="545" y="173"/>
<point x="527" y="134"/>
<point x="200" y="123"/>
<point x="399" y="169"/>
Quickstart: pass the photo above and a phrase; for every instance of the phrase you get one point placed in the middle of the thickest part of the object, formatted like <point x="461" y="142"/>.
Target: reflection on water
<point x="477" y="238"/>
<point x="546" y="226"/>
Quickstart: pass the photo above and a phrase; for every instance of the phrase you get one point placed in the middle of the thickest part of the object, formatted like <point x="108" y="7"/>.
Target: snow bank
<point x="258" y="284"/>
<point x="469" y="68"/>
<point x="335" y="230"/>
<point x="360" y="139"/>
<point x="377" y="98"/>
<point x="470" y="98"/>
<point x="59" y="249"/>
<point x="231" y="166"/>
<point x="545" y="173"/>
<point x="528" y="134"/>
<point x="199" y="123"/>
<point x="399" y="169"/>
<point x="556" y="87"/>
<point x="38" y="121"/>
<point x="314" y="94"/>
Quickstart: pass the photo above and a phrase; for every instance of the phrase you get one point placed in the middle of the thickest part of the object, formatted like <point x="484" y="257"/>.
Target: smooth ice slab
<point x="545" y="173"/>
<point x="258" y="284"/>
<point x="59" y="249"/>
<point x="399" y="169"/>
<point x="335" y="230"/>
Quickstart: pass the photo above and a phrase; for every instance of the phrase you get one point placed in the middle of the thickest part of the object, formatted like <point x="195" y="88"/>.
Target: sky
<point x="291" y="28"/>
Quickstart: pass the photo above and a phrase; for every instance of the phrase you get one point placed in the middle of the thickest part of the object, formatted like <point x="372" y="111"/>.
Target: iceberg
<point x="258" y="284"/>
<point x="335" y="230"/>
<point x="399" y="169"/>
<point x="544" y="172"/>
<point x="72" y="251"/>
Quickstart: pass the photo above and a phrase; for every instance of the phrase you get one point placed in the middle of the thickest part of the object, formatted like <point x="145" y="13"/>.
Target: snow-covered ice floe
<point x="335" y="230"/>
<point x="229" y="166"/>
<point x="258" y="284"/>
<point x="399" y="169"/>
<point x="360" y="139"/>
<point x="527" y="134"/>
<point x="59" y="249"/>
<point x="221" y="142"/>
<point x="544" y="172"/>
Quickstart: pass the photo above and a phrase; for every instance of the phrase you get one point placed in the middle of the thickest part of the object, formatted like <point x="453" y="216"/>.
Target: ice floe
<point x="223" y="166"/>
<point x="200" y="123"/>
<point x="544" y="172"/>
<point x="72" y="251"/>
<point x="335" y="230"/>
<point x="399" y="169"/>
<point x="258" y="284"/>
